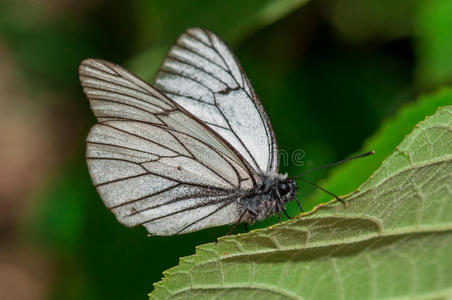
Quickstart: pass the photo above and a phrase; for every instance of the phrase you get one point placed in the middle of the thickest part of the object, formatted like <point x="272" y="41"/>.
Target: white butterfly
<point x="195" y="150"/>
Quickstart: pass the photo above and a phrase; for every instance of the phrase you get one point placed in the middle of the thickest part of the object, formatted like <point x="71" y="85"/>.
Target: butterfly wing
<point x="201" y="74"/>
<point x="152" y="162"/>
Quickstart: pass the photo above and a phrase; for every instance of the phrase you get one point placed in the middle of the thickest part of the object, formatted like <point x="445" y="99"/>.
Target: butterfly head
<point x="286" y="189"/>
<point x="280" y="187"/>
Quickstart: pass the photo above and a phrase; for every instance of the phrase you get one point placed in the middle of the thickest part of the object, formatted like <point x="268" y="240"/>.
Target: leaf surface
<point x="346" y="178"/>
<point x="393" y="240"/>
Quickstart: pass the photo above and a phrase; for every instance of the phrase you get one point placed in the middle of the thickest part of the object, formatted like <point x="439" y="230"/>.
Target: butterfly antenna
<point x="327" y="166"/>
<point x="322" y="189"/>
<point x="335" y="163"/>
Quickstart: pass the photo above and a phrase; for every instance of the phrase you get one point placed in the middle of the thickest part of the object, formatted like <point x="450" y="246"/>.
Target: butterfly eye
<point x="283" y="189"/>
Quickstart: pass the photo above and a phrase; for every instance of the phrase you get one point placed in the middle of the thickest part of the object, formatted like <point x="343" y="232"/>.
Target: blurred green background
<point x="328" y="74"/>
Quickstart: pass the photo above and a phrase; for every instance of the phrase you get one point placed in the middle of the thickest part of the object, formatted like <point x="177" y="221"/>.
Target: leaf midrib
<point x="247" y="286"/>
<point x="271" y="288"/>
<point x="318" y="245"/>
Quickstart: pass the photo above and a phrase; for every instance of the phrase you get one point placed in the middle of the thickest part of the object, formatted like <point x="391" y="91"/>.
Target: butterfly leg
<point x="298" y="203"/>
<point x="246" y="227"/>
<point x="281" y="206"/>
<point x="240" y="219"/>
<point x="341" y="201"/>
<point x="285" y="213"/>
<point x="279" y="218"/>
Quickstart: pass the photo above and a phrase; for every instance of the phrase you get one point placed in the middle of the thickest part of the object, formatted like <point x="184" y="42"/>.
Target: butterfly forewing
<point x="202" y="75"/>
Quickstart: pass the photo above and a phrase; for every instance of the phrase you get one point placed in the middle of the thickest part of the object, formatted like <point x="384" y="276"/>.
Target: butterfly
<point x="194" y="150"/>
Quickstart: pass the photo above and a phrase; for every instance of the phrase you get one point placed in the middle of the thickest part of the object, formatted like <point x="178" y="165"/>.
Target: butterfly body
<point x="194" y="150"/>
<point x="267" y="199"/>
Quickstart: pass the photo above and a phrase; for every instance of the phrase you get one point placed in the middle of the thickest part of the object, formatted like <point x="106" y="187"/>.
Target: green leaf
<point x="392" y="241"/>
<point x="348" y="177"/>
<point x="164" y="21"/>
<point x="367" y="19"/>
<point x="434" y="43"/>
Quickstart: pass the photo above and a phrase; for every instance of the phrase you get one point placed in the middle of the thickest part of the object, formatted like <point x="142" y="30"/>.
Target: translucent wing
<point x="201" y="74"/>
<point x="152" y="162"/>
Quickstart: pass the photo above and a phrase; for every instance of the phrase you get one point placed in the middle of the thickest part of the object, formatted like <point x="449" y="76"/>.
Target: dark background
<point x="328" y="74"/>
